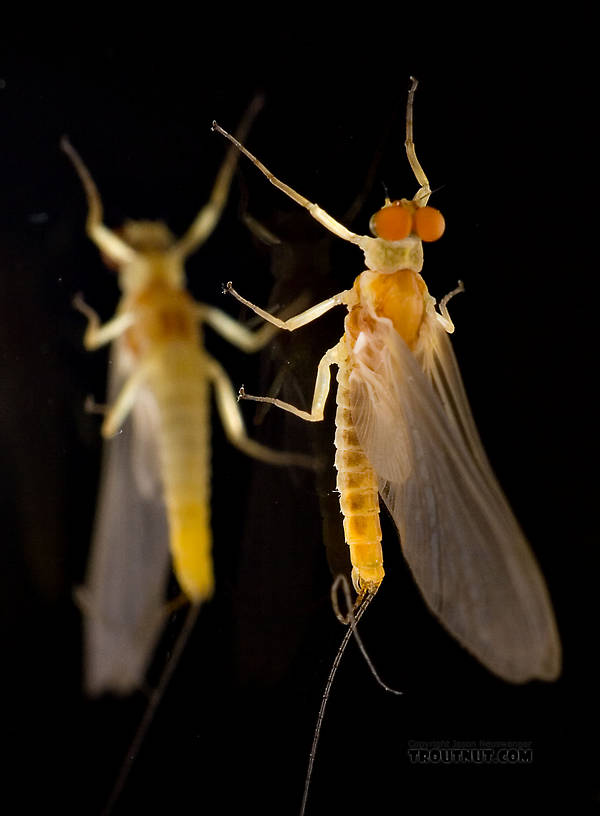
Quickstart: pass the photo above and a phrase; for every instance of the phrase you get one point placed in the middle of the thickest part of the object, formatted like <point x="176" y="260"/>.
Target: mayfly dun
<point x="155" y="491"/>
<point x="404" y="431"/>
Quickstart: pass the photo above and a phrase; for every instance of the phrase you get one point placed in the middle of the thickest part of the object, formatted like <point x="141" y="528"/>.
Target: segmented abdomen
<point x="357" y="486"/>
<point x="179" y="384"/>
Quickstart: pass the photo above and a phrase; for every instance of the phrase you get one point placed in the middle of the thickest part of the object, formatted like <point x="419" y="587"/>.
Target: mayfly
<point x="162" y="375"/>
<point x="404" y="431"/>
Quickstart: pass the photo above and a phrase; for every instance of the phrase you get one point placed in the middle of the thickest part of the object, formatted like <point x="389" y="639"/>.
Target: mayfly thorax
<point x="155" y="502"/>
<point x="404" y="432"/>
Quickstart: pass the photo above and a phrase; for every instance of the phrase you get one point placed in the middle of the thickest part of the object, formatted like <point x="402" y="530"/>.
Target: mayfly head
<point x="396" y="220"/>
<point x="151" y="259"/>
<point x="150" y="238"/>
<point x="399" y="228"/>
<point x="147" y="236"/>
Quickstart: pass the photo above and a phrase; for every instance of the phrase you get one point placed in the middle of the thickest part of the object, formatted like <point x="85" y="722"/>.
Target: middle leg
<point x="322" y="384"/>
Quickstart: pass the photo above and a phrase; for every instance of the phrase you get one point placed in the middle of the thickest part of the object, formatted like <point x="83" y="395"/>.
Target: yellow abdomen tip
<point x="191" y="550"/>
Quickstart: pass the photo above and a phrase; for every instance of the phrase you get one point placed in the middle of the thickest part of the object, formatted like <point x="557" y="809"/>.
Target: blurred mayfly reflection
<point x="155" y="486"/>
<point x="404" y="431"/>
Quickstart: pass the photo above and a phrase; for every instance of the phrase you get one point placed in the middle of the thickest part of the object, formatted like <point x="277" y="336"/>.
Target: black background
<point x="504" y="135"/>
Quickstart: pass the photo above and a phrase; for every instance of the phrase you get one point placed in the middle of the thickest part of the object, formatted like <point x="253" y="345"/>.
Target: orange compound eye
<point x="429" y="223"/>
<point x="392" y="223"/>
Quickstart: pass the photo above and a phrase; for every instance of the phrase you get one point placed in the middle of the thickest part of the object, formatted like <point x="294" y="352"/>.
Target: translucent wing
<point x="124" y="596"/>
<point x="436" y="357"/>
<point x="459" y="536"/>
